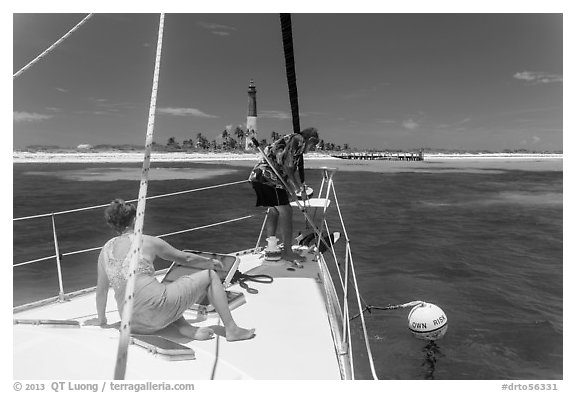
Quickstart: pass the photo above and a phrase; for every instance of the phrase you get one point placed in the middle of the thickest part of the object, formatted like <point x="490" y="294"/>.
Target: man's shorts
<point x="269" y="196"/>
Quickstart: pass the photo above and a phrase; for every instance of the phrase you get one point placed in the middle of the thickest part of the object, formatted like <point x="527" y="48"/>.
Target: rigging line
<point x="286" y="23"/>
<point x="54" y="45"/>
<point x="33" y="261"/>
<point x="132" y="200"/>
<point x="136" y="247"/>
<point x="208" y="226"/>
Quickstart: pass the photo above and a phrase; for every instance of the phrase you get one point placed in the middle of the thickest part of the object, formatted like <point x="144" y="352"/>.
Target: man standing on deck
<point x="287" y="156"/>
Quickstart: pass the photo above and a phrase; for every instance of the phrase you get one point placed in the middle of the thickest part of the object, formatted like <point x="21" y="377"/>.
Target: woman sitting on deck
<point x="158" y="305"/>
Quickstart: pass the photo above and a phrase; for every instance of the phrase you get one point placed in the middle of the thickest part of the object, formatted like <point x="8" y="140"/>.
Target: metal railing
<point x="342" y="333"/>
<point x="58" y="255"/>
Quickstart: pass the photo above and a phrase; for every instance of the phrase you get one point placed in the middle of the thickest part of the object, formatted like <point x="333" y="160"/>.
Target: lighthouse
<point x="251" y="119"/>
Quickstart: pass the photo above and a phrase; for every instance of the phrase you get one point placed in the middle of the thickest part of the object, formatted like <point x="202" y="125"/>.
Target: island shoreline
<point x="115" y="156"/>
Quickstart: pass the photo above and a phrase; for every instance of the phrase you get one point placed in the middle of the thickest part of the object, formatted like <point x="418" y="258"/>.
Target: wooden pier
<point x="400" y="156"/>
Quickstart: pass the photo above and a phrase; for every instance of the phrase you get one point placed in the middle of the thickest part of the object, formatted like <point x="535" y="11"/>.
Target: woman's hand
<point x="214" y="264"/>
<point x="203" y="262"/>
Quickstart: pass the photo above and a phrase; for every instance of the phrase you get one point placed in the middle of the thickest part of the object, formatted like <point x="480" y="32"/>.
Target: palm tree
<point x="239" y="132"/>
<point x="201" y="141"/>
<point x="225" y="138"/>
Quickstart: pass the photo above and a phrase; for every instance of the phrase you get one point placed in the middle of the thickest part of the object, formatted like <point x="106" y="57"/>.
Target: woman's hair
<point x="119" y="214"/>
<point x="310" y="136"/>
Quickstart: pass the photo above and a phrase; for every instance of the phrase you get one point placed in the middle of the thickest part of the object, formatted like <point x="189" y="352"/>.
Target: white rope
<point x="136" y="248"/>
<point x="54" y="45"/>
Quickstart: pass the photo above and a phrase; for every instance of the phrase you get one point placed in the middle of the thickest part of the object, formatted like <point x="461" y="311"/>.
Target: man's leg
<point x="272" y="221"/>
<point x="285" y="222"/>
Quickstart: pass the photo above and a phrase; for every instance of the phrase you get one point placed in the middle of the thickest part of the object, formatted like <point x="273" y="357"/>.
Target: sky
<point x="472" y="81"/>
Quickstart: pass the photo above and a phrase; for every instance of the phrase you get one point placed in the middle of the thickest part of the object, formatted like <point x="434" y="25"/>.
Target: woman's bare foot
<point x="237" y="333"/>
<point x="203" y="333"/>
<point x="197" y="333"/>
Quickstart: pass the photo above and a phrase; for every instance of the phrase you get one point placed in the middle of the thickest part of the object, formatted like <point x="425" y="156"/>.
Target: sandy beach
<point x="432" y="162"/>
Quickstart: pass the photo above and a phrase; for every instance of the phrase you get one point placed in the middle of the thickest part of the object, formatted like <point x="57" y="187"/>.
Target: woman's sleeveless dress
<point x="156" y="305"/>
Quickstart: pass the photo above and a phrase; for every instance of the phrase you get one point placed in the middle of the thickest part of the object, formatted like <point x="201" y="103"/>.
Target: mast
<point x="252" y="116"/>
<point x="286" y="23"/>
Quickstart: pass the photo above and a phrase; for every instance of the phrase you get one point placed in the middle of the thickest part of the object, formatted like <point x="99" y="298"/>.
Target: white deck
<point x="293" y="337"/>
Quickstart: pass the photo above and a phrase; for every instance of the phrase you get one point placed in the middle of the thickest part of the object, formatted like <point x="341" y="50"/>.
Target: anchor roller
<point x="427" y="321"/>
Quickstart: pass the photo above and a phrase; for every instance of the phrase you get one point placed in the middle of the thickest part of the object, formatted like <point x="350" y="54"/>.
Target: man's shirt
<point x="286" y="154"/>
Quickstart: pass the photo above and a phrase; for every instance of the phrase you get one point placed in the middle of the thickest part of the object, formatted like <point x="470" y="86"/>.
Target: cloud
<point x="61" y="90"/>
<point x="275" y="115"/>
<point x="20" y="117"/>
<point x="410" y="124"/>
<point x="538" y="77"/>
<point x="217" y="29"/>
<point x="184" y="112"/>
<point x="535" y="139"/>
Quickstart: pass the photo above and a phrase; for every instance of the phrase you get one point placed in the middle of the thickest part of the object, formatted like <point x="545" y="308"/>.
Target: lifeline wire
<point x="54" y="45"/>
<point x="136" y="247"/>
<point x="133" y="200"/>
<point x="163" y="235"/>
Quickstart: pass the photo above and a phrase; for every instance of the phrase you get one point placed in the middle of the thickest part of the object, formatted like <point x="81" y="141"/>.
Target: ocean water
<point x="485" y="245"/>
